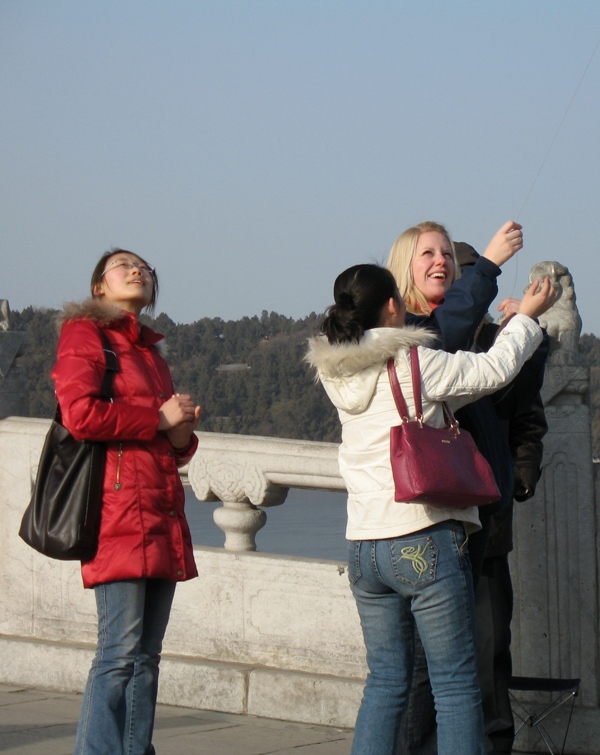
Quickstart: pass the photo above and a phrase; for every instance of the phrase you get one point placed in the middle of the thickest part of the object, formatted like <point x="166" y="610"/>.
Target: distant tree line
<point x="247" y="374"/>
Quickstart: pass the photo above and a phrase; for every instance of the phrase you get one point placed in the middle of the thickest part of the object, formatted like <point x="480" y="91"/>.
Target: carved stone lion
<point x="562" y="320"/>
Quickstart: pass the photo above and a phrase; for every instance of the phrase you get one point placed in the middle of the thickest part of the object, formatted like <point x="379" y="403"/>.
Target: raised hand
<point x="509" y="308"/>
<point x="538" y="298"/>
<point x="506" y="242"/>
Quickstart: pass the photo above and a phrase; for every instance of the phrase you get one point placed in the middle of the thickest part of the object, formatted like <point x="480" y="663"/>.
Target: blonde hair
<point x="400" y="264"/>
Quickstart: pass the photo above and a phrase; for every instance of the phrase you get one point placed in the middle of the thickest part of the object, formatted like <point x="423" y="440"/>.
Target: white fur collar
<point x="375" y="347"/>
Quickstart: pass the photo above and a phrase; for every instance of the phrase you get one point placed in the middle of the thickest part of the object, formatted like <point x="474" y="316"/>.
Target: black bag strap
<point x="112" y="366"/>
<point x="415" y="370"/>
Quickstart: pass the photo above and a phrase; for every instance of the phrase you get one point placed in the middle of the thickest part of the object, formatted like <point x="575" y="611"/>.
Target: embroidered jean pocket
<point x="354" y="561"/>
<point x="415" y="559"/>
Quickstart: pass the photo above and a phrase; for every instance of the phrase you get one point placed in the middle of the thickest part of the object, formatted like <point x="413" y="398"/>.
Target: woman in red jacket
<point x="144" y="545"/>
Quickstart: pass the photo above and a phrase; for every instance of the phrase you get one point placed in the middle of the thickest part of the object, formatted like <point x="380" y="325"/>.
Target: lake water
<point x="310" y="523"/>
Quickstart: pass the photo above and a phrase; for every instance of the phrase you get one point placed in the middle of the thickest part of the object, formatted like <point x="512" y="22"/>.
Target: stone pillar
<point x="555" y="561"/>
<point x="13" y="383"/>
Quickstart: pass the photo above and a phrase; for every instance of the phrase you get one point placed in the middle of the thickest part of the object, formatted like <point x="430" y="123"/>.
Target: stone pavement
<point x="41" y="722"/>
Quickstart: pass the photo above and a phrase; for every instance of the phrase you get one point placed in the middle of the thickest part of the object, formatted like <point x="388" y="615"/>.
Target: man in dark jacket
<point x="520" y="413"/>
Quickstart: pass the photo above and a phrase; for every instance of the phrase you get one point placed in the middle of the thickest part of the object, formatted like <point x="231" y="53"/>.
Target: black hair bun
<point x="346" y="300"/>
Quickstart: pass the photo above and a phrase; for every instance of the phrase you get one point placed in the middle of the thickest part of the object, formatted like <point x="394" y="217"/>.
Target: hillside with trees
<point x="247" y="374"/>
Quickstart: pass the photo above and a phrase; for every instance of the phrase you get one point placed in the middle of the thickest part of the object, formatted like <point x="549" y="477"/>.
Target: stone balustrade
<point x="279" y="636"/>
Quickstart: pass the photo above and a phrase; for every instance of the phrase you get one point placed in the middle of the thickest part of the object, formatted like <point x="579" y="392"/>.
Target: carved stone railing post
<point x="245" y="472"/>
<point x="555" y="561"/>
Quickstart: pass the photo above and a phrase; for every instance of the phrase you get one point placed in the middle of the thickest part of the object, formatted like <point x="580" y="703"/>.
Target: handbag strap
<point x="415" y="371"/>
<point x="111" y="366"/>
<point x="397" y="391"/>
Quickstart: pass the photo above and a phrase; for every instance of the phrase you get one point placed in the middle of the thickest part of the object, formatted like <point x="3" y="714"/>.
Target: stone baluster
<point x="242" y="487"/>
<point x="245" y="472"/>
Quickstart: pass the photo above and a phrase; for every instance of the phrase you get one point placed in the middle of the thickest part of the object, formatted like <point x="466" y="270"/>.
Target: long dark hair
<point x="360" y="293"/>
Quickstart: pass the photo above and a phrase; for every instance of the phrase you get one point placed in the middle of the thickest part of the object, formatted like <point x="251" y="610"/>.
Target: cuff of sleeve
<point x="183" y="455"/>
<point x="488" y="268"/>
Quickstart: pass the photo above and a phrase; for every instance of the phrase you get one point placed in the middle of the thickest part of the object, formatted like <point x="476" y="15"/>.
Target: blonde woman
<point x="425" y="267"/>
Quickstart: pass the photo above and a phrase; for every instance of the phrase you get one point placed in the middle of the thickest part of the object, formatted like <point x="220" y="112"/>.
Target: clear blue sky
<point x="253" y="149"/>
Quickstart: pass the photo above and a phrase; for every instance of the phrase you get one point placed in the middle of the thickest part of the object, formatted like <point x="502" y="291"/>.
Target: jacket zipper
<point x="119" y="458"/>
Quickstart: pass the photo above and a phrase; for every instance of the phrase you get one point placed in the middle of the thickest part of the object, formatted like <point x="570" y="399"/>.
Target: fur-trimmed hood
<point x="375" y="347"/>
<point x="96" y="310"/>
<point x="349" y="371"/>
<point x="106" y="315"/>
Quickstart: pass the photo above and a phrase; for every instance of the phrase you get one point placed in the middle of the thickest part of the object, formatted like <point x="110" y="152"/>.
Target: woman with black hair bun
<point x="408" y="565"/>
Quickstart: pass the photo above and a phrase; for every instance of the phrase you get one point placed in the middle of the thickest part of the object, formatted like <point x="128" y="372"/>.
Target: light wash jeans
<point x="423" y="579"/>
<point x="117" y="713"/>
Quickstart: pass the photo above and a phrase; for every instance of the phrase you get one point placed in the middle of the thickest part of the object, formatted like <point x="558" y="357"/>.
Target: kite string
<point x="554" y="138"/>
<point x="537" y="175"/>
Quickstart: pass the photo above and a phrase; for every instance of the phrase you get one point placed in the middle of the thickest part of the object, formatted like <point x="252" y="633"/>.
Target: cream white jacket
<point x="355" y="378"/>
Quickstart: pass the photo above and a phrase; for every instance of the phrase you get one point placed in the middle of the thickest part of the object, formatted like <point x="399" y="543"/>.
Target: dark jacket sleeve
<point x="520" y="409"/>
<point x="525" y="435"/>
<point x="465" y="305"/>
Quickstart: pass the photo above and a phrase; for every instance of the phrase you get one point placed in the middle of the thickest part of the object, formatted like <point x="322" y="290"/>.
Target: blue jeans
<point x="117" y="713"/>
<point x="422" y="579"/>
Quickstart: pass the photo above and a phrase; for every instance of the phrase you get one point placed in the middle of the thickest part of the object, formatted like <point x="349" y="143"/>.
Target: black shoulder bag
<point x="63" y="518"/>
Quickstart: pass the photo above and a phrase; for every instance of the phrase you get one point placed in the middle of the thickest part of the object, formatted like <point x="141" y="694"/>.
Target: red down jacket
<point x="143" y="531"/>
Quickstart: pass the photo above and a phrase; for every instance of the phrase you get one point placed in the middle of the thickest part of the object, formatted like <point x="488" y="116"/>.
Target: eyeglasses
<point x="127" y="266"/>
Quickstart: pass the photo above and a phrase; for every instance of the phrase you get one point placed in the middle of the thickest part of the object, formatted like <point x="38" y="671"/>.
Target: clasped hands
<point x="179" y="417"/>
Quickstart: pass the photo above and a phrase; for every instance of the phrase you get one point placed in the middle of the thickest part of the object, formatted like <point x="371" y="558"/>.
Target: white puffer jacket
<point x="356" y="380"/>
